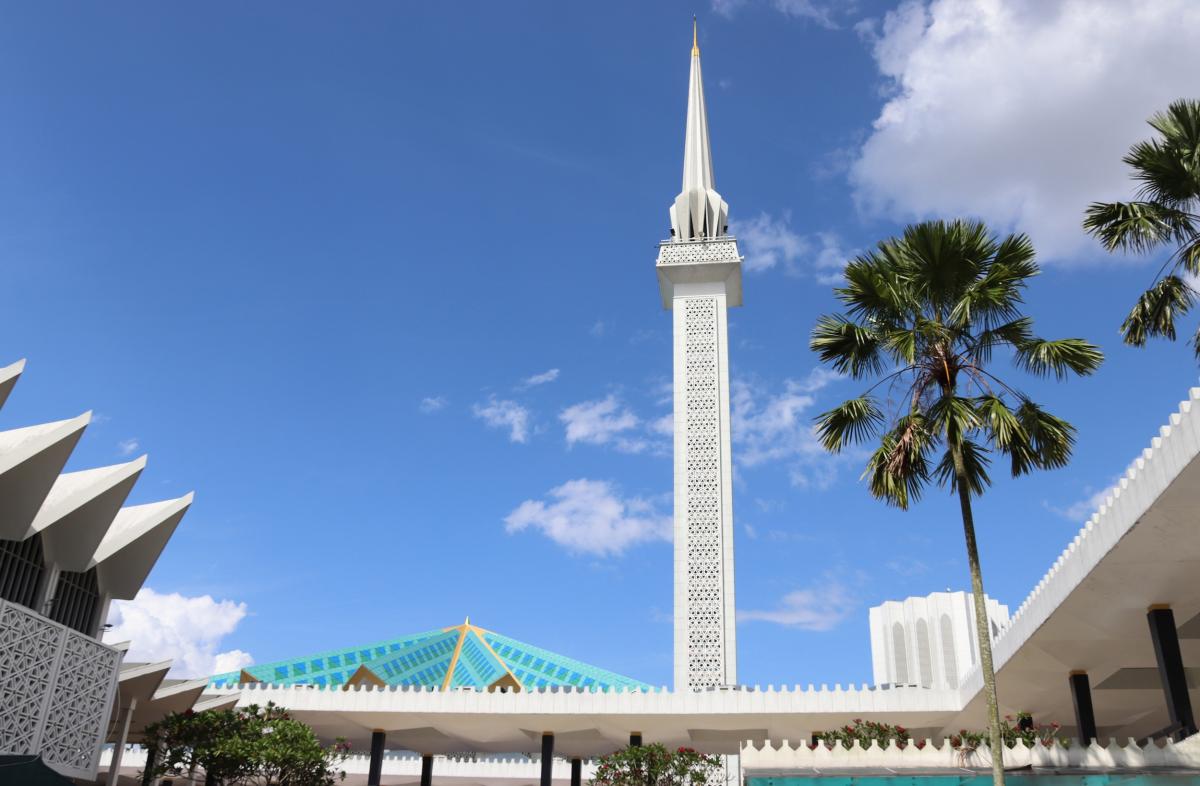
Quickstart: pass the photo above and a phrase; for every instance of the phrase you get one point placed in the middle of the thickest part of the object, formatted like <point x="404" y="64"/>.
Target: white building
<point x="68" y="546"/>
<point x="928" y="641"/>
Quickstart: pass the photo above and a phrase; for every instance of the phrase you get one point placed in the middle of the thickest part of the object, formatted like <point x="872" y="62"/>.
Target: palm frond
<point x="1138" y="227"/>
<point x="901" y="344"/>
<point x="1002" y="425"/>
<point x="852" y="421"/>
<point x="1043" y="357"/>
<point x="898" y="469"/>
<point x="849" y="347"/>
<point x="1155" y="311"/>
<point x="975" y="464"/>
<point x="945" y="259"/>
<point x="1051" y="439"/>
<point x="1188" y="256"/>
<point x="953" y="416"/>
<point x="1014" y="333"/>
<point x="1164" y="175"/>
<point x="875" y="288"/>
<point x="1007" y="433"/>
<point x="996" y="294"/>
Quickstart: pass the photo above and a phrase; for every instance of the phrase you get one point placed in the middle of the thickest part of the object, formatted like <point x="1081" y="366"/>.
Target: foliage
<point x="1020" y="728"/>
<point x="1166" y="212"/>
<point x="251" y="746"/>
<point x="654" y="765"/>
<point x="924" y="315"/>
<point x="865" y="732"/>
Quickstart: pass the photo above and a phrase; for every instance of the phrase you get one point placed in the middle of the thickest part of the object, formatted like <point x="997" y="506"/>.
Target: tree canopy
<point x="1166" y="212"/>
<point x="926" y="313"/>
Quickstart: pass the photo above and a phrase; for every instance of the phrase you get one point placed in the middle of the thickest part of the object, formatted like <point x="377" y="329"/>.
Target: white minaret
<point x="700" y="276"/>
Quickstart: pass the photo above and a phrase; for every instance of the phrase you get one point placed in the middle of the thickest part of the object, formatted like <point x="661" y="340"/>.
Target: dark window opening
<point x="21" y="570"/>
<point x="77" y="600"/>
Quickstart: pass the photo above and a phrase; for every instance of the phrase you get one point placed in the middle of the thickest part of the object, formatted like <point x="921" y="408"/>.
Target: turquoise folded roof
<point x="462" y="656"/>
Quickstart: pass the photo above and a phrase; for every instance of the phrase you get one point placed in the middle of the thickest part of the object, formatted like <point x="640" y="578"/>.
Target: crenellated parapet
<point x="797" y="758"/>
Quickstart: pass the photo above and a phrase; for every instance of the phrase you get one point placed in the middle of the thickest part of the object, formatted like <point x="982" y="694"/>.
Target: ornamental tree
<point x="250" y="746"/>
<point x="655" y="765"/>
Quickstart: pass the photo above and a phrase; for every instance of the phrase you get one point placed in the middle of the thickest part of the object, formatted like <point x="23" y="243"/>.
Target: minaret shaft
<point x="705" y="637"/>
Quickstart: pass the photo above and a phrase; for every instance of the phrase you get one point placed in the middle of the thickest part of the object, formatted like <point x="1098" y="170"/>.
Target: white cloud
<point x="431" y="404"/>
<point x="769" y="426"/>
<point x="664" y="426"/>
<point x="601" y="422"/>
<point x="599" y="328"/>
<point x="830" y="259"/>
<point x="187" y="630"/>
<point x="590" y="517"/>
<point x="1081" y="510"/>
<point x="823" y="13"/>
<point x="540" y="379"/>
<point x="818" y="608"/>
<point x="504" y="414"/>
<point x="907" y="567"/>
<point x="769" y="242"/>
<point x="127" y="447"/>
<point x="1019" y="111"/>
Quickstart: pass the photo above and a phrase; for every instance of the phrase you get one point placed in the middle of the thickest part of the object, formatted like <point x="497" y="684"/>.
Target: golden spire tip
<point x="695" y="39"/>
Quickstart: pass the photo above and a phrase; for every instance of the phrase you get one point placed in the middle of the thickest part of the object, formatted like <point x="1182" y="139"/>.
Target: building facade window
<point x="924" y="656"/>
<point x="77" y="601"/>
<point x="949" y="657"/>
<point x="21" y="569"/>
<point x="900" y="653"/>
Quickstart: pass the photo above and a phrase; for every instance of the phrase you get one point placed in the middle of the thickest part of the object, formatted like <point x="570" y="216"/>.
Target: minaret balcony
<point x="702" y="266"/>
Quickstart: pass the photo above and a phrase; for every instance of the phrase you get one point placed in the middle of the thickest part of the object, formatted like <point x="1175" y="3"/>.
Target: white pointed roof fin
<point x="699" y="212"/>
<point x="8" y="378"/>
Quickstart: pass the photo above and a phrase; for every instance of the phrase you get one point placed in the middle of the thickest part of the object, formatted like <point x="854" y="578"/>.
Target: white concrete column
<point x="114" y="766"/>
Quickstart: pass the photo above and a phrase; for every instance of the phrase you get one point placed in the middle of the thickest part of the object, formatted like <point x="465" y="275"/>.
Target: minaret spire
<point x="698" y="212"/>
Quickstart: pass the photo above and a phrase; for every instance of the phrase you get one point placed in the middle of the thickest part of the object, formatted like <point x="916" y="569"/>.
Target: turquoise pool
<point x="1014" y="779"/>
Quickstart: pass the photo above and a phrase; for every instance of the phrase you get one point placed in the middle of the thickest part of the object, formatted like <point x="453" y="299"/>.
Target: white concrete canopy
<point x="132" y="545"/>
<point x="31" y="458"/>
<point x="8" y="379"/>
<point x="80" y="509"/>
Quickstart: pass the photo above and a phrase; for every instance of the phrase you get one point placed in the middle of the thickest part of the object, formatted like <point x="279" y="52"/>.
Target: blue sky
<point x="377" y="282"/>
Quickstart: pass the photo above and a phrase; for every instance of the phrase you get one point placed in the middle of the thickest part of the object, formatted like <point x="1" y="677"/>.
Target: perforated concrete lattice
<point x="674" y="253"/>
<point x="56" y="689"/>
<point x="705" y="580"/>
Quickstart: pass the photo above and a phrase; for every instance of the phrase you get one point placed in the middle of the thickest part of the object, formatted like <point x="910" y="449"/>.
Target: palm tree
<point x="1165" y="213"/>
<point x="924" y="314"/>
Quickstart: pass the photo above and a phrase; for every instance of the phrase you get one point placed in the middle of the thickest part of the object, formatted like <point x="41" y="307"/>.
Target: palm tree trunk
<point x="982" y="632"/>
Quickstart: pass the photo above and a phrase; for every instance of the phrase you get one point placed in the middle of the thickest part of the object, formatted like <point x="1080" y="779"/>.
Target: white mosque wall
<point x="928" y="641"/>
<point x="790" y="757"/>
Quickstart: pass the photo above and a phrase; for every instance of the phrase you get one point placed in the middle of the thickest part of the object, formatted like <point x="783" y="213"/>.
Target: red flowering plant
<point x="1019" y="727"/>
<point x="865" y="732"/>
<point x="1022" y="727"/>
<point x="655" y="765"/>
